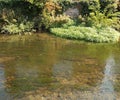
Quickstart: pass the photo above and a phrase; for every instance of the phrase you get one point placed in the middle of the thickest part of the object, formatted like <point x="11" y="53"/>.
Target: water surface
<point x="53" y="65"/>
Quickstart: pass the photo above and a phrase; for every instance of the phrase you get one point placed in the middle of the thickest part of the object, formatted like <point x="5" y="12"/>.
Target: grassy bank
<point x="87" y="33"/>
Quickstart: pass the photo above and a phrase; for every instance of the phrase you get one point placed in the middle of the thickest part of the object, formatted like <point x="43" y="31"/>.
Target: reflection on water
<point x="3" y="94"/>
<point x="107" y="86"/>
<point x="107" y="82"/>
<point x="48" y="64"/>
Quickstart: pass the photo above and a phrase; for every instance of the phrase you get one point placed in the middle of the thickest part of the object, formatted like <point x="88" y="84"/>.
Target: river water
<point x="50" y="68"/>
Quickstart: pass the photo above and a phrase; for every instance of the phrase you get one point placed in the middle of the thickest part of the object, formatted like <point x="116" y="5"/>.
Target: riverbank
<point x="86" y="34"/>
<point x="90" y="34"/>
<point x="22" y="38"/>
<point x="63" y="18"/>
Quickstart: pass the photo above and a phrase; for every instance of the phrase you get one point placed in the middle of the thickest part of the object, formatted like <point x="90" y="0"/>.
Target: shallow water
<point x="51" y="64"/>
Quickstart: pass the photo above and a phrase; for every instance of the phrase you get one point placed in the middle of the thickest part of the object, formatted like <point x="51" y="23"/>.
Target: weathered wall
<point x="72" y="12"/>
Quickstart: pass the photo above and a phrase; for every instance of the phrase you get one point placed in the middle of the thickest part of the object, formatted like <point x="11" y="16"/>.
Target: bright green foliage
<point x="16" y="18"/>
<point x="21" y="16"/>
<point x="108" y="6"/>
<point x="94" y="5"/>
<point x="87" y="33"/>
<point x="39" y="3"/>
<point x="99" y="20"/>
<point x="18" y="28"/>
<point x="101" y="13"/>
<point x="60" y="21"/>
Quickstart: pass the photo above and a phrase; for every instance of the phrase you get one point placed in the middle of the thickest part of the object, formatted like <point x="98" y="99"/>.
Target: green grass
<point x="87" y="33"/>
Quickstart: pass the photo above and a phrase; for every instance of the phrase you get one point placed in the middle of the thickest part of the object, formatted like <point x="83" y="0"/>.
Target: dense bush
<point x="95" y="24"/>
<point x="87" y="33"/>
<point x="60" y="21"/>
<point x="108" y="6"/>
<point x="98" y="20"/>
<point x="18" y="28"/>
<point x="24" y="16"/>
<point x="100" y="13"/>
<point x="16" y="18"/>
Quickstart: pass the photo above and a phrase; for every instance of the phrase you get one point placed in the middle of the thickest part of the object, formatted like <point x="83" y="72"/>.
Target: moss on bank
<point x="91" y="34"/>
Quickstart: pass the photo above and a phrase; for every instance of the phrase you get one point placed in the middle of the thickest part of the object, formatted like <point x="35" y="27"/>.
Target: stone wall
<point x="72" y="12"/>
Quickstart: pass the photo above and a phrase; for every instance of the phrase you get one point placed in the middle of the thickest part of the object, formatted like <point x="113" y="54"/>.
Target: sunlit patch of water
<point x="107" y="87"/>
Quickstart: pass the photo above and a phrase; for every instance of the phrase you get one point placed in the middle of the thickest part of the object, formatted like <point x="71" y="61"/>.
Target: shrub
<point x="108" y="6"/>
<point x="18" y="28"/>
<point x="49" y="11"/>
<point x="61" y="21"/>
<point x="87" y="33"/>
<point x="18" y="19"/>
<point x="94" y="5"/>
<point x="99" y="13"/>
<point x="98" y="20"/>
